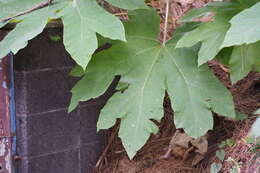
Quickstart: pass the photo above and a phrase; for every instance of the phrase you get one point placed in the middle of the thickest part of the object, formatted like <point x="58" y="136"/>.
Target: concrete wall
<point x="49" y="139"/>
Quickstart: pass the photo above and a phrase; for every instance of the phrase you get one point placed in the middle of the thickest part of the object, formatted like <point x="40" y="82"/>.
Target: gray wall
<point x="49" y="139"/>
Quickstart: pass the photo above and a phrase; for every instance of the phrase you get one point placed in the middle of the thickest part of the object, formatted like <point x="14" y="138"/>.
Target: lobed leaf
<point x="80" y="34"/>
<point x="150" y="69"/>
<point x="211" y="35"/>
<point x="244" y="27"/>
<point x="82" y="20"/>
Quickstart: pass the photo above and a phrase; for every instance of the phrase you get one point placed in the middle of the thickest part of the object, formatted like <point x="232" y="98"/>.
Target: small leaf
<point x="215" y="167"/>
<point x="55" y="38"/>
<point x="240" y="116"/>
<point x="221" y="154"/>
<point x="230" y="142"/>
<point x="244" y="27"/>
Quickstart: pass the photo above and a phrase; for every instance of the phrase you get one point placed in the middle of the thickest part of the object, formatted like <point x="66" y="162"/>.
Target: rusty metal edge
<point x="7" y="115"/>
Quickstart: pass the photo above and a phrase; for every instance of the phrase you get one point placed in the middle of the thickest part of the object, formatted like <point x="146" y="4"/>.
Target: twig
<point x="107" y="147"/>
<point x="36" y="7"/>
<point x="166" y="22"/>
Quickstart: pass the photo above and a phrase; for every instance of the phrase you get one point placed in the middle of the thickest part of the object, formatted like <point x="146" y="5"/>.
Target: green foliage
<point x="80" y="35"/>
<point x="128" y="4"/>
<point x="221" y="154"/>
<point x="244" y="27"/>
<point x="235" y="23"/>
<point x="215" y="167"/>
<point x="82" y="19"/>
<point x="147" y="68"/>
<point x="32" y="25"/>
<point x="243" y="59"/>
<point x="211" y="35"/>
<point x="255" y="131"/>
<point x="55" y="38"/>
<point x="150" y="69"/>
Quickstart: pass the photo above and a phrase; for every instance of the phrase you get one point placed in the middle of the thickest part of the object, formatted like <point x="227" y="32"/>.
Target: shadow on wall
<point x="49" y="139"/>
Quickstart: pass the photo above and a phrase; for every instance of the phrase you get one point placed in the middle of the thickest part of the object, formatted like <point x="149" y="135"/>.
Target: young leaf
<point x="150" y="69"/>
<point x="221" y="154"/>
<point x="244" y="27"/>
<point x="240" y="116"/>
<point x="82" y="19"/>
<point x="215" y="167"/>
<point x="128" y="4"/>
<point x="244" y="59"/>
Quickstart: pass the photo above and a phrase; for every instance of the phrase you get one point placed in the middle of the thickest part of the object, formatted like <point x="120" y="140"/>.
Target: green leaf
<point x="32" y="25"/>
<point x="240" y="116"/>
<point x="255" y="131"/>
<point x="10" y="8"/>
<point x="224" y="55"/>
<point x="257" y="112"/>
<point x="230" y="142"/>
<point x="77" y="71"/>
<point x="2" y="24"/>
<point x="128" y="4"/>
<point x="221" y="154"/>
<point x="215" y="167"/>
<point x="215" y="7"/>
<point x="150" y="69"/>
<point x="244" y="59"/>
<point x="55" y="38"/>
<point x="244" y="27"/>
<point x="82" y="19"/>
<point x="210" y="34"/>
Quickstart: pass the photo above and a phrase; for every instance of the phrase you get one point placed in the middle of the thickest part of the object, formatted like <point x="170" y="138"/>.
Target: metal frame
<point x="7" y="115"/>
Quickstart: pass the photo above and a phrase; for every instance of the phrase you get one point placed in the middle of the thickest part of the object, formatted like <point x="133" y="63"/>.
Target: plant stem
<point x="166" y="22"/>
<point x="38" y="6"/>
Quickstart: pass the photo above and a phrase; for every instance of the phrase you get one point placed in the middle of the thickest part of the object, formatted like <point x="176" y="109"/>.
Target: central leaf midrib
<point x="142" y="90"/>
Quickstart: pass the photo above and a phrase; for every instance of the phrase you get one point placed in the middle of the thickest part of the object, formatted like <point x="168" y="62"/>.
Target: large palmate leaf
<point x="82" y="19"/>
<point x="211" y="35"/>
<point x="244" y="27"/>
<point x="244" y="59"/>
<point x="128" y="4"/>
<point x="149" y="69"/>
